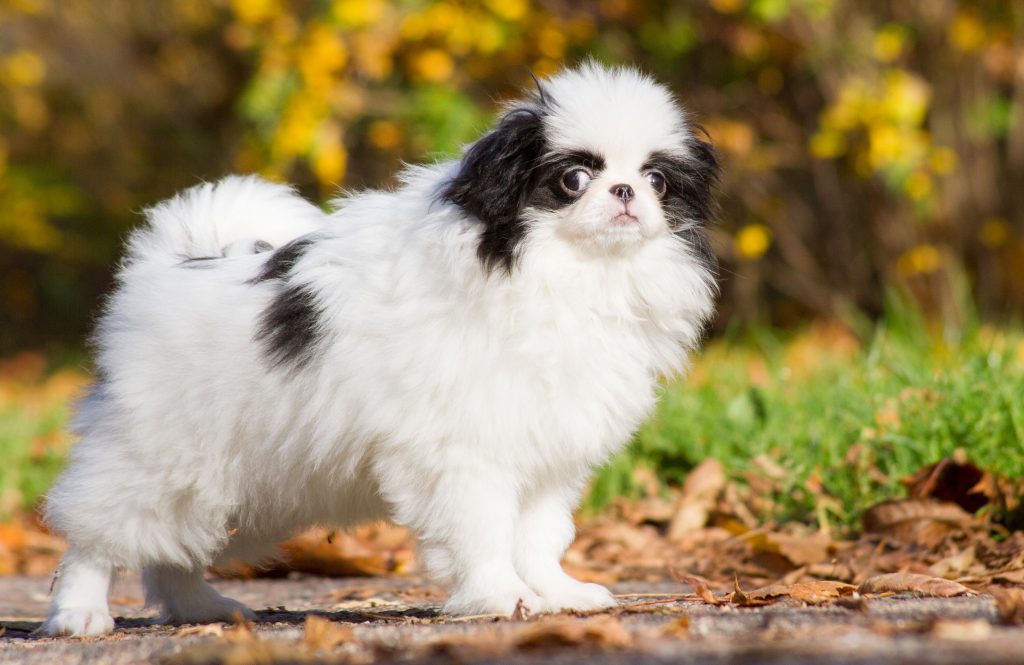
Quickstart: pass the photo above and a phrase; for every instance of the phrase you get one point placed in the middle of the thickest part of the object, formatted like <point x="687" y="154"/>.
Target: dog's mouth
<point x="624" y="219"/>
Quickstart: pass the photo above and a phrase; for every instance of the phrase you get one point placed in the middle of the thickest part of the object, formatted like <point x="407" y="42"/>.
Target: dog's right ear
<point x="495" y="179"/>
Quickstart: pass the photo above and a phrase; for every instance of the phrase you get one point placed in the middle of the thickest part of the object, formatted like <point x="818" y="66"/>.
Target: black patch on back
<point x="283" y="260"/>
<point x="495" y="179"/>
<point x="289" y="327"/>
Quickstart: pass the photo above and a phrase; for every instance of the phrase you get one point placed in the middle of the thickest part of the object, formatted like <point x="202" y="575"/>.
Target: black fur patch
<point x="549" y="194"/>
<point x="494" y="182"/>
<point x="689" y="203"/>
<point x="283" y="260"/>
<point x="290" y="325"/>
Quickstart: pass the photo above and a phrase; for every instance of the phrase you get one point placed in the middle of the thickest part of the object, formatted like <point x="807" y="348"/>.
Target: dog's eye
<point x="657" y="182"/>
<point x="575" y="180"/>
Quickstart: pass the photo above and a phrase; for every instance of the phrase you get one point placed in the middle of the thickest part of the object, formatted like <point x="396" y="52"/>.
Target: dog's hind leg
<point x="79" y="606"/>
<point x="185" y="597"/>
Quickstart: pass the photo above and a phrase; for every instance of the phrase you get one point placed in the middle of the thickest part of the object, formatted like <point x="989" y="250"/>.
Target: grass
<point x="34" y="409"/>
<point x="843" y="418"/>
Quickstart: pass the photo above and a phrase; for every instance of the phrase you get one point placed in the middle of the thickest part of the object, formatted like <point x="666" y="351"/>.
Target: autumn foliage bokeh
<point x="868" y="145"/>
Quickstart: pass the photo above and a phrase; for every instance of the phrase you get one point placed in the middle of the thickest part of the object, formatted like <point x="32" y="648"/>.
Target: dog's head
<point x="604" y="159"/>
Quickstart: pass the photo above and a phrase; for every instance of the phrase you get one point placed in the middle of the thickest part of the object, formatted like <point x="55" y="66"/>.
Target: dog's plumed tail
<point x="235" y="216"/>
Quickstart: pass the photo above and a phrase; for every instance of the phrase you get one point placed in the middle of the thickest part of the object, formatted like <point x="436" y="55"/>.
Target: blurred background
<point x="871" y="231"/>
<point x="867" y="145"/>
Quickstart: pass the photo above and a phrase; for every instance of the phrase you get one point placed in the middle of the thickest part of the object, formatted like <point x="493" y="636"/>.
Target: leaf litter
<point x="939" y="541"/>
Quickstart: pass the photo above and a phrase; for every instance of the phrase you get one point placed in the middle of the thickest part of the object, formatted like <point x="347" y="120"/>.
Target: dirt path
<point x="388" y="620"/>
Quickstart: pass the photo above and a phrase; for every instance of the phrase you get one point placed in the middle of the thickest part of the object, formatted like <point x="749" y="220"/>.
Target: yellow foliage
<point x="509" y="10"/>
<point x="323" y="56"/>
<point x="918" y="186"/>
<point x="551" y="42"/>
<point x="727" y="6"/>
<point x="330" y="157"/>
<point x="752" y="241"/>
<point x="432" y="65"/>
<point x="359" y="13"/>
<point x="30" y="109"/>
<point x="994" y="232"/>
<point x="889" y="42"/>
<point x="23" y="68"/>
<point x="731" y="136"/>
<point x="384" y="134"/>
<point x="920" y="260"/>
<point x="372" y="56"/>
<point x="966" y="31"/>
<point x="827" y="144"/>
<point x="255" y="11"/>
<point x="942" y="160"/>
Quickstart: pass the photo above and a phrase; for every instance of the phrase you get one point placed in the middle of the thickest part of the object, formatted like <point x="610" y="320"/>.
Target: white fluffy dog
<point x="456" y="355"/>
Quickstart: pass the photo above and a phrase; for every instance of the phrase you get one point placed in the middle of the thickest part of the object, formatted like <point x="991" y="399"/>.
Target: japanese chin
<point x="456" y="355"/>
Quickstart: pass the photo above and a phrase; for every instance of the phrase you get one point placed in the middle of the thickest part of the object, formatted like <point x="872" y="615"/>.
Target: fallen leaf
<point x="679" y="627"/>
<point x="521" y="611"/>
<point x="798" y="550"/>
<point x="921" y="585"/>
<point x="854" y="601"/>
<point x="321" y="633"/>
<point x="701" y="588"/>
<point x="202" y="630"/>
<point x="961" y="630"/>
<point x="954" y="480"/>
<point x="741" y="599"/>
<point x="700" y="489"/>
<point x="813" y="592"/>
<point x="1009" y="604"/>
<point x="886" y="514"/>
<point x="924" y="522"/>
<point x="605" y="632"/>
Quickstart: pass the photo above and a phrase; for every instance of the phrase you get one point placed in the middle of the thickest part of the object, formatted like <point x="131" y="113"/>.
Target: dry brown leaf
<point x="700" y="587"/>
<point x="700" y="489"/>
<point x="954" y="480"/>
<point x="321" y="633"/>
<point x="604" y="632"/>
<point x="797" y="550"/>
<point x="921" y="585"/>
<point x="1009" y="604"/>
<point x="813" y="592"/>
<point x="887" y="514"/>
<point x="521" y="612"/>
<point x="202" y="630"/>
<point x="961" y="630"/>
<point x="741" y="599"/>
<point x="679" y="627"/>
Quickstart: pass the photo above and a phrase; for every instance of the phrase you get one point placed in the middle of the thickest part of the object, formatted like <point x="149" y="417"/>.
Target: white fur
<point x="470" y="406"/>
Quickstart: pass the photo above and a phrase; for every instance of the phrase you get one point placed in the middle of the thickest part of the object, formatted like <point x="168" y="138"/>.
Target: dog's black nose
<point x="622" y="191"/>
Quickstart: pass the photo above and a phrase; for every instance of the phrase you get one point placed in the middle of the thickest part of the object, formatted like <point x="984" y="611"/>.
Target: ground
<point x="388" y="620"/>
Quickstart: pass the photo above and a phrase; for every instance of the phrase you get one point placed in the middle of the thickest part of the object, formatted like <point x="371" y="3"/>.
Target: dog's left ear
<point x="494" y="181"/>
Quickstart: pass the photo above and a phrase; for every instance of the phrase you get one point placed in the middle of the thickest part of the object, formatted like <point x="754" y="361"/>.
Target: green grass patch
<point x="845" y="418"/>
<point x="34" y="410"/>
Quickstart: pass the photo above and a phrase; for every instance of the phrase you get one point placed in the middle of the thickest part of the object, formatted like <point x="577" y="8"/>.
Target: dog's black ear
<point x="495" y="179"/>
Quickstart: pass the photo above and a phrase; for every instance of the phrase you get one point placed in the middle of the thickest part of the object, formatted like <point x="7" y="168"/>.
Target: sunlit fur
<point x="452" y="360"/>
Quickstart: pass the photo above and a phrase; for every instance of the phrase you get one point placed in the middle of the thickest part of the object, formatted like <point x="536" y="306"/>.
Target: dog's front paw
<point x="78" y="621"/>
<point x="574" y="595"/>
<point x="478" y="599"/>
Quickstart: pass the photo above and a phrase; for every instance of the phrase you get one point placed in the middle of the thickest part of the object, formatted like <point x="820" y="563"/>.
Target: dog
<point x="456" y="355"/>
